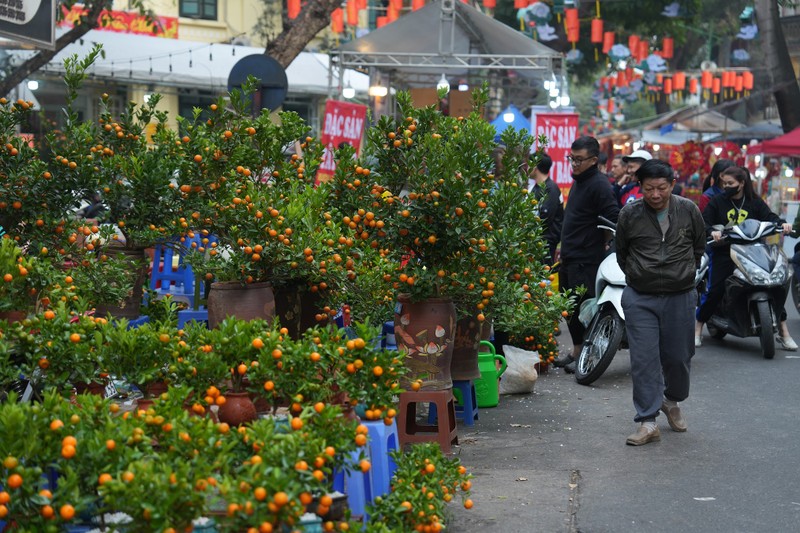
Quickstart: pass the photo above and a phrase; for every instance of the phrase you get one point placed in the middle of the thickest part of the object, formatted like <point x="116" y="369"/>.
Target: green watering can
<point x="487" y="388"/>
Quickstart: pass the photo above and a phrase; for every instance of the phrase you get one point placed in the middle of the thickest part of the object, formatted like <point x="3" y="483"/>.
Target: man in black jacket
<point x="551" y="203"/>
<point x="660" y="241"/>
<point x="583" y="245"/>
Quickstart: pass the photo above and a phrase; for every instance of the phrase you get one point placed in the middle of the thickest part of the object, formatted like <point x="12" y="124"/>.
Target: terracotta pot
<point x="297" y="308"/>
<point x="238" y="409"/>
<point x="13" y="316"/>
<point x="131" y="306"/>
<point x="464" y="365"/>
<point x="425" y="332"/>
<point x="154" y="390"/>
<point x="144" y="403"/>
<point x="248" y="302"/>
<point x="98" y="388"/>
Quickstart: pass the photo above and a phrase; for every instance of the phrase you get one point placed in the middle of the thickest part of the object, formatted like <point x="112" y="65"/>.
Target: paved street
<point x="566" y="467"/>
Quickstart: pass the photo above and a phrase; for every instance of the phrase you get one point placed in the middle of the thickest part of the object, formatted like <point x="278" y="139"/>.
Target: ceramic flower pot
<point x="425" y="332"/>
<point x="248" y="302"/>
<point x="238" y="409"/>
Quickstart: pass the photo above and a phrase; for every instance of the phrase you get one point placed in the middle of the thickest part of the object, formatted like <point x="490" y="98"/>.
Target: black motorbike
<point x="757" y="290"/>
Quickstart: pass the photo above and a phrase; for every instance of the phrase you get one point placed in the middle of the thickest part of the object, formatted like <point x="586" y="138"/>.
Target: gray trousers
<point x="660" y="330"/>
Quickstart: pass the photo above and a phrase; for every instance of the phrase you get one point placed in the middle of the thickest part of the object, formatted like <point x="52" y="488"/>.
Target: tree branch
<point x="297" y="33"/>
<point x="42" y="57"/>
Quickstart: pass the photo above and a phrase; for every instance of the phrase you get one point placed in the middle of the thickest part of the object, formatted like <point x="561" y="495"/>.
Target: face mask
<point x="730" y="192"/>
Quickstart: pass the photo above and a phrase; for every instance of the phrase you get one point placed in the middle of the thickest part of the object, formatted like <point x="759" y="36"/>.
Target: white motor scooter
<point x="605" y="319"/>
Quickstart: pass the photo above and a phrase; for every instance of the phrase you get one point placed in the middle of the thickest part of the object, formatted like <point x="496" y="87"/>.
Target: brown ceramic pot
<point x="144" y="404"/>
<point x="130" y="307"/>
<point x="13" y="316"/>
<point x="97" y="388"/>
<point x="248" y="302"/>
<point x="464" y="365"/>
<point x="297" y="308"/>
<point x="425" y="332"/>
<point x="238" y="409"/>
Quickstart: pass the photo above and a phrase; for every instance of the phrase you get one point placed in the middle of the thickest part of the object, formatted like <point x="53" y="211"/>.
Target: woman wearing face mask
<point x="737" y="203"/>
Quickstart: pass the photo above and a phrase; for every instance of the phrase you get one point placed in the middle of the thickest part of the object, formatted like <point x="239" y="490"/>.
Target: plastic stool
<point x="388" y="340"/>
<point x="444" y="432"/>
<point x="355" y="484"/>
<point x="466" y="403"/>
<point x="382" y="440"/>
<point x="136" y="322"/>
<point x="187" y="315"/>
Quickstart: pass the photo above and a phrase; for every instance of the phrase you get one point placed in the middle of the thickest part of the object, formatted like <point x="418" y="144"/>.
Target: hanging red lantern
<point x="419" y="4"/>
<point x="693" y="86"/>
<point x="728" y="79"/>
<point x="337" y="20"/>
<point x="644" y="50"/>
<point x="398" y="5"/>
<point x="392" y="13"/>
<point x="706" y="79"/>
<point x="747" y="80"/>
<point x="679" y="81"/>
<point x="362" y="4"/>
<point x="292" y="8"/>
<point x="610" y="106"/>
<point x="622" y="79"/>
<point x="738" y="85"/>
<point x="668" y="48"/>
<point x="603" y="81"/>
<point x="716" y="86"/>
<point x="608" y="41"/>
<point x="520" y="4"/>
<point x="572" y="24"/>
<point x="659" y="79"/>
<point x="352" y="12"/>
<point x="488" y="4"/>
<point x="633" y="45"/>
<point x="668" y="86"/>
<point x="597" y="31"/>
<point x="380" y="22"/>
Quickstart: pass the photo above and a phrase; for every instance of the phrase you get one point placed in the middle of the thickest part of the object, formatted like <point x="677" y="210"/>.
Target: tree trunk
<point x="298" y="33"/>
<point x="779" y="65"/>
<point x="42" y="57"/>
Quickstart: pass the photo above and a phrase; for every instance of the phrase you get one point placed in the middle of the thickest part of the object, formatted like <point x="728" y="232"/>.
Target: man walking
<point x="618" y="171"/>
<point x="551" y="203"/>
<point x="583" y="245"/>
<point x="660" y="240"/>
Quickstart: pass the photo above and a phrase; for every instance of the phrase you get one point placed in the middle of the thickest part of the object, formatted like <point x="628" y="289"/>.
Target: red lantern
<point x="488" y="4"/>
<point x="659" y="79"/>
<point x="520" y="4"/>
<point x="292" y="8"/>
<point x="337" y="19"/>
<point x="572" y="24"/>
<point x="706" y="79"/>
<point x="668" y="86"/>
<point x="362" y="4"/>
<point x="728" y="79"/>
<point x="747" y="80"/>
<point x="352" y="12"/>
<point x="622" y="80"/>
<point x="380" y="22"/>
<point x="693" y="85"/>
<point x="597" y="31"/>
<point x="644" y="50"/>
<point x="392" y="13"/>
<point x="738" y="85"/>
<point x="419" y="4"/>
<point x="716" y="85"/>
<point x="633" y="45"/>
<point x="668" y="48"/>
<point x="679" y="81"/>
<point x="608" y="41"/>
<point x="397" y="4"/>
<point x="610" y="106"/>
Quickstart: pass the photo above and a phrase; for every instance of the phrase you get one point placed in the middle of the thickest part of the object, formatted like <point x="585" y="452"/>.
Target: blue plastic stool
<point x="388" y="340"/>
<point x="382" y="440"/>
<point x="356" y="485"/>
<point x="187" y="315"/>
<point x="178" y="283"/>
<point x="466" y="403"/>
<point x="136" y="322"/>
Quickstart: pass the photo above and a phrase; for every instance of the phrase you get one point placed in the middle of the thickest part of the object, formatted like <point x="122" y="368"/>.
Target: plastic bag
<point x="520" y="376"/>
<point x="587" y="312"/>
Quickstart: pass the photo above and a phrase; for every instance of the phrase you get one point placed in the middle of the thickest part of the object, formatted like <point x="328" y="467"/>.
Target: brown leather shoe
<point x="675" y="418"/>
<point x="643" y="436"/>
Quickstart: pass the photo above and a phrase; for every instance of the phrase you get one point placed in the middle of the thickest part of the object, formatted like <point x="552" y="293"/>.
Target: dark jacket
<point x="655" y="263"/>
<point x="724" y="211"/>
<point x="551" y="210"/>
<point x="590" y="196"/>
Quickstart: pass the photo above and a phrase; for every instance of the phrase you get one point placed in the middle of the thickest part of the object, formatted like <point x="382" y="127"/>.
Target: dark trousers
<point x="571" y="276"/>
<point x="660" y="338"/>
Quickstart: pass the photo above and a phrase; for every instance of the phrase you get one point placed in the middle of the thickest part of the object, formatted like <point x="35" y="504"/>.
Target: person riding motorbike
<point x="738" y="203"/>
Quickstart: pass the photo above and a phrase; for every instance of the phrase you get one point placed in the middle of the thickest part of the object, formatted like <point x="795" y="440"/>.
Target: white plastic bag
<point x="521" y="375"/>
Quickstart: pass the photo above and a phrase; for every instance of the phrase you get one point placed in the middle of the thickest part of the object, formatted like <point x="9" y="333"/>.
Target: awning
<point x="142" y="59"/>
<point x="674" y="137"/>
<point x="695" y="119"/>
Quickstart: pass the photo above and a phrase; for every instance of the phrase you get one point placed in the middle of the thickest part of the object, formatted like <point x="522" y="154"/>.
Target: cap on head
<point x="638" y="155"/>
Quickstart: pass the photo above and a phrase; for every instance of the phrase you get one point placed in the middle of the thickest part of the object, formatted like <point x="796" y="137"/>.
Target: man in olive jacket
<point x="660" y="240"/>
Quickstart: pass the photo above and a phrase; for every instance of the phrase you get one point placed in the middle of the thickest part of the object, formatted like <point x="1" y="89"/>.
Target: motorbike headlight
<point x="751" y="272"/>
<point x="779" y="275"/>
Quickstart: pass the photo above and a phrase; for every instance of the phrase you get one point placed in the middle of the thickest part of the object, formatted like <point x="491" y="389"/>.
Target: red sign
<point x="344" y="122"/>
<point x="561" y="129"/>
<point x="124" y="22"/>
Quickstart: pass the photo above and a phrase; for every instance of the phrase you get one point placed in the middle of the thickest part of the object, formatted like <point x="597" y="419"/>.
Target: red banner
<point x="344" y="123"/>
<point x="124" y="22"/>
<point x="561" y="129"/>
